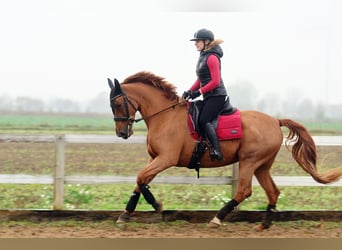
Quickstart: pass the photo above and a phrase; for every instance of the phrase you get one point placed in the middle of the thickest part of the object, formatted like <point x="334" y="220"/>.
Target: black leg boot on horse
<point x="214" y="146"/>
<point x="133" y="201"/>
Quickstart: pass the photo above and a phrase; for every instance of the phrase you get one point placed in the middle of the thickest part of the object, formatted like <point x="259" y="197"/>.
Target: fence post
<point x="59" y="173"/>
<point x="235" y="178"/>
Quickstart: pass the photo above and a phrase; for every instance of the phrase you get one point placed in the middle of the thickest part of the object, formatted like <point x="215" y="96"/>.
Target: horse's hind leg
<point x="264" y="177"/>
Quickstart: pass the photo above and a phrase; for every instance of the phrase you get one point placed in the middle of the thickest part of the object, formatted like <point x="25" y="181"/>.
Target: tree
<point x="290" y="104"/>
<point x="64" y="105"/>
<point x="243" y="95"/>
<point x="305" y="109"/>
<point x="270" y="104"/>
<point x="320" y="113"/>
<point x="6" y="103"/>
<point x="99" y="104"/>
<point x="25" y="103"/>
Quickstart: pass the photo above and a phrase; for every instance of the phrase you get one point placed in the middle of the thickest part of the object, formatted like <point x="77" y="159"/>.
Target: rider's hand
<point x="195" y="94"/>
<point x="191" y="94"/>
<point x="186" y="94"/>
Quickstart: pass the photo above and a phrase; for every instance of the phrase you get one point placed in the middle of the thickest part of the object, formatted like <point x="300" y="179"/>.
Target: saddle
<point x="227" y="124"/>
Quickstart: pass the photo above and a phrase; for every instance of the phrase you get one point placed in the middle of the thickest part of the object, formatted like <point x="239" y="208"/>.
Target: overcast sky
<point x="67" y="48"/>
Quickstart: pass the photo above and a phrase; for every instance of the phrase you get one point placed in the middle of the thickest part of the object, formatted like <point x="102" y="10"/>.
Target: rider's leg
<point x="210" y="133"/>
<point x="211" y="108"/>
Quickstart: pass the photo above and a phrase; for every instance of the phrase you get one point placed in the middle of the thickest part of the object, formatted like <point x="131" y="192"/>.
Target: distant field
<point x="326" y="128"/>
<point x="60" y="124"/>
<point x="103" y="124"/>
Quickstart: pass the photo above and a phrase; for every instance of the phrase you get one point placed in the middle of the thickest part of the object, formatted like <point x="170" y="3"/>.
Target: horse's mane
<point x="155" y="81"/>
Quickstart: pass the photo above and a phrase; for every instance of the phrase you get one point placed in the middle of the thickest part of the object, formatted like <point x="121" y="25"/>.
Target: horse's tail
<point x="304" y="152"/>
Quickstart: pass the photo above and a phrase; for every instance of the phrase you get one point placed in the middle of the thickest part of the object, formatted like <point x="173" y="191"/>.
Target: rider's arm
<point x="214" y="69"/>
<point x="195" y="86"/>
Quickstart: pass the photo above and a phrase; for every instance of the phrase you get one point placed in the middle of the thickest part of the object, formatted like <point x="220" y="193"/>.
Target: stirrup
<point x="215" y="156"/>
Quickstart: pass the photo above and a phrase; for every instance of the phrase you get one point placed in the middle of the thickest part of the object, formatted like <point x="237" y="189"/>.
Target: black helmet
<point x="203" y="34"/>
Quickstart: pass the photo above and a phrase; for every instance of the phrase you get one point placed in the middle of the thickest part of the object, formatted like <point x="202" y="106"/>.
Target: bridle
<point x="127" y="117"/>
<point x="128" y="102"/>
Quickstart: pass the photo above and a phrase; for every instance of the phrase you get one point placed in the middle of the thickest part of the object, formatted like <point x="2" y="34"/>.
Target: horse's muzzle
<point x="122" y="135"/>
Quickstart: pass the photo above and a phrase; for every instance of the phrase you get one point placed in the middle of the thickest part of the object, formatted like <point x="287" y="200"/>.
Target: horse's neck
<point x="161" y="114"/>
<point x="150" y="100"/>
<point x="156" y="107"/>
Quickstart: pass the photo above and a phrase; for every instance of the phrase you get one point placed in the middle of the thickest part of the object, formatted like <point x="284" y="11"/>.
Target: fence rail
<point x="294" y="181"/>
<point x="76" y="138"/>
<point x="59" y="179"/>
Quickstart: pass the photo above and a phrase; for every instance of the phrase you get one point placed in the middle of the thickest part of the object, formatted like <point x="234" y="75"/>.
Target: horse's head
<point x="123" y="110"/>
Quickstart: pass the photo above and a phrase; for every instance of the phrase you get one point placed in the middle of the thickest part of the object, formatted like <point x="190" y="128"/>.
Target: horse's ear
<point x="117" y="84"/>
<point x="115" y="87"/>
<point x="110" y="83"/>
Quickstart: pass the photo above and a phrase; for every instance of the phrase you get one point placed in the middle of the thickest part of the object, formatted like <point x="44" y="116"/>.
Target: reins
<point x="161" y="111"/>
<point x="131" y="119"/>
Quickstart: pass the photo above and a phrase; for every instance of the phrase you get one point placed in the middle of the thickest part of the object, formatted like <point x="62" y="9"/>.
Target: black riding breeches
<point x="211" y="108"/>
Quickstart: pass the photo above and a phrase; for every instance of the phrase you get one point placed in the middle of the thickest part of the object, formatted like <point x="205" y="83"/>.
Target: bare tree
<point x="64" y="105"/>
<point x="25" y="103"/>
<point x="305" y="110"/>
<point x="99" y="104"/>
<point x="271" y="104"/>
<point x="243" y="95"/>
<point x="6" y="103"/>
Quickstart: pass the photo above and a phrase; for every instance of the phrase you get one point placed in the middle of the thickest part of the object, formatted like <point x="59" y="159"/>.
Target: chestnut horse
<point x="169" y="143"/>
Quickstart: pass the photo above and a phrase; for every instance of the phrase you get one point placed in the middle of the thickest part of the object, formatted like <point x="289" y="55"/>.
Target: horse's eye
<point x="117" y="106"/>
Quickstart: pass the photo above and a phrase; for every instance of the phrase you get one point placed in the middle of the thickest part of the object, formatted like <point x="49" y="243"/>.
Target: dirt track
<point x="190" y="224"/>
<point x="107" y="229"/>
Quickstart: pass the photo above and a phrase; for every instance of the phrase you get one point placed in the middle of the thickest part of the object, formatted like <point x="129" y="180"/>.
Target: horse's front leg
<point x="144" y="178"/>
<point x="130" y="207"/>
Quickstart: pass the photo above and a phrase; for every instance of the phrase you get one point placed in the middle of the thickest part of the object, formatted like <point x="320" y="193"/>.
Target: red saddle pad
<point x="228" y="128"/>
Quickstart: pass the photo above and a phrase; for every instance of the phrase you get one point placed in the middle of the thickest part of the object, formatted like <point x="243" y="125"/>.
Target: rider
<point x="209" y="84"/>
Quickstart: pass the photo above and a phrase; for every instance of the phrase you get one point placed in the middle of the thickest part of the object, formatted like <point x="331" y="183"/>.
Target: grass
<point x="324" y="128"/>
<point x="198" y="197"/>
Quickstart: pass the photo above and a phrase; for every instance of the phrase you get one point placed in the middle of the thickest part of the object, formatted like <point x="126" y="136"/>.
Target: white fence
<point x="59" y="179"/>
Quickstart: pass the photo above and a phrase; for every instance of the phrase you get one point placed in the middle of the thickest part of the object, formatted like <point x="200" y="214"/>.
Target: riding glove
<point x="191" y="94"/>
<point x="186" y="94"/>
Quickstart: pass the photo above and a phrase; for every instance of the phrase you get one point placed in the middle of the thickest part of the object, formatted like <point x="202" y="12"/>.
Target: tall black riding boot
<point x="214" y="149"/>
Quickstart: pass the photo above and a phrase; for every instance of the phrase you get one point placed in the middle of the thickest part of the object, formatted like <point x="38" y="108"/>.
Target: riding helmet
<point x="203" y="34"/>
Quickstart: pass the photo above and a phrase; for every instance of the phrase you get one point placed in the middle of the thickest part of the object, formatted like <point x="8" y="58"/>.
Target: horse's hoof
<point x="123" y="218"/>
<point x="260" y="227"/>
<point x="158" y="207"/>
<point x="214" y="223"/>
